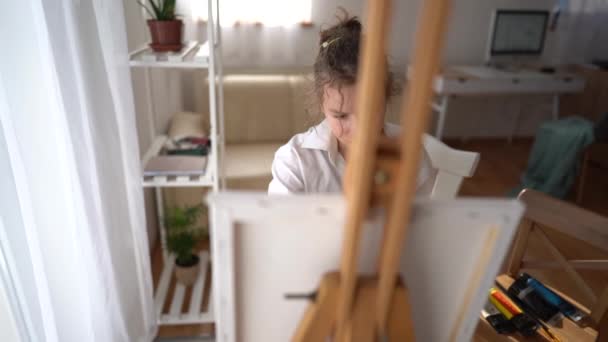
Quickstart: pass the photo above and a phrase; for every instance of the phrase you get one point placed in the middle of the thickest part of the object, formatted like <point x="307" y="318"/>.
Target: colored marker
<point x="522" y="321"/>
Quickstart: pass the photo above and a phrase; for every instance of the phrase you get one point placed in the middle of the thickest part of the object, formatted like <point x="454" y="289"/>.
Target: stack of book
<point x="185" y="152"/>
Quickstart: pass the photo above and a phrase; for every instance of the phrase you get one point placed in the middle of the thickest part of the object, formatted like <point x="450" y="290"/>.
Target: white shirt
<point x="310" y="163"/>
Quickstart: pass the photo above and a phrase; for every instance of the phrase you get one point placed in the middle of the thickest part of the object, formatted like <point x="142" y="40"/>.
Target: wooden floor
<point x="499" y="171"/>
<point x="502" y="164"/>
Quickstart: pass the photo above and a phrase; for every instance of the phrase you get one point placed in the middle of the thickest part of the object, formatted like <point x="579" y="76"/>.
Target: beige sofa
<point x="261" y="112"/>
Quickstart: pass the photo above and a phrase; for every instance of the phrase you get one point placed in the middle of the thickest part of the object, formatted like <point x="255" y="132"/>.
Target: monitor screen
<point x="519" y="32"/>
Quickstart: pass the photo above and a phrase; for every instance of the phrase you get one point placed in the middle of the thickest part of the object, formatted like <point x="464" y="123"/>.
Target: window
<point x="266" y="12"/>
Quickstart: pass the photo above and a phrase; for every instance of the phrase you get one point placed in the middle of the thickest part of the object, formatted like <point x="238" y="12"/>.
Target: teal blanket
<point x="554" y="160"/>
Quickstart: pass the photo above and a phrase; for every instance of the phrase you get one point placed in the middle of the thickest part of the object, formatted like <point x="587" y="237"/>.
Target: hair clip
<point x="327" y="43"/>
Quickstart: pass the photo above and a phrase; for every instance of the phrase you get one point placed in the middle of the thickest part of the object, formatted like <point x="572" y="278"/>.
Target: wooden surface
<point x="545" y="214"/>
<point x="415" y="114"/>
<point x="560" y="215"/>
<point x="498" y="172"/>
<point x="320" y="318"/>
<point x="399" y="324"/>
<point x="569" y="270"/>
<point x="362" y="152"/>
<point x="566" y="331"/>
<point x="519" y="246"/>
<point x="580" y="227"/>
<point x="600" y="309"/>
<point x="576" y="264"/>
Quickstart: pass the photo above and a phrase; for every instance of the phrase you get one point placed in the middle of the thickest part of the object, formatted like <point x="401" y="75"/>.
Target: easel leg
<point x="399" y="324"/>
<point x="319" y="320"/>
<point x="320" y="316"/>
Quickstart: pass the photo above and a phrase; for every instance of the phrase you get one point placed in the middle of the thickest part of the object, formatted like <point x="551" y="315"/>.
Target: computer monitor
<point x="518" y="33"/>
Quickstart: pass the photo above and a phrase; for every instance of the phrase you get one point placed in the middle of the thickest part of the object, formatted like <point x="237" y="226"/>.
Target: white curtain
<point x="74" y="198"/>
<point x="269" y="34"/>
<point x="266" y="12"/>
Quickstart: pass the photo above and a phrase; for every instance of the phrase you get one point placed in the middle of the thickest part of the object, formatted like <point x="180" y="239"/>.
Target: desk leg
<point x="555" y="112"/>
<point x="442" y="110"/>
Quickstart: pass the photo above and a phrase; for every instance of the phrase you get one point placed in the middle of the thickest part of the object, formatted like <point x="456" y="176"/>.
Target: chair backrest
<point x="452" y="166"/>
<point x="576" y="226"/>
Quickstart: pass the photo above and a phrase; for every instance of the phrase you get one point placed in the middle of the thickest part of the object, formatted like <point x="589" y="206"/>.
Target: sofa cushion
<point x="249" y="160"/>
<point x="257" y="108"/>
<point x="263" y="107"/>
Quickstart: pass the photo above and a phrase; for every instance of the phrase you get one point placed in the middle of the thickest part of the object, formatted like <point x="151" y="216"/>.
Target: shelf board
<point x="204" y="180"/>
<point x="177" y="314"/>
<point x="193" y="55"/>
<point x="178" y="181"/>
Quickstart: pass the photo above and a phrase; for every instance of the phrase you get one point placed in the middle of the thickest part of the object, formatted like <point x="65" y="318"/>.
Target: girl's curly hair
<point x="336" y="63"/>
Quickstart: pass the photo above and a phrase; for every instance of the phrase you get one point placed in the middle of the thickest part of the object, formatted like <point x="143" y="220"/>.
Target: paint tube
<point x="525" y="324"/>
<point x="551" y="297"/>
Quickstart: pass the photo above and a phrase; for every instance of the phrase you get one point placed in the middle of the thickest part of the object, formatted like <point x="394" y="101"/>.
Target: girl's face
<point x="339" y="109"/>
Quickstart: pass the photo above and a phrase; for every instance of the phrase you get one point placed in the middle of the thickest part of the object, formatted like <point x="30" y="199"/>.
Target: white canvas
<point x="265" y="247"/>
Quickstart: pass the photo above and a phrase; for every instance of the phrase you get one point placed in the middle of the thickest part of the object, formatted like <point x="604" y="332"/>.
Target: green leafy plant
<point x="160" y="9"/>
<point x="182" y="234"/>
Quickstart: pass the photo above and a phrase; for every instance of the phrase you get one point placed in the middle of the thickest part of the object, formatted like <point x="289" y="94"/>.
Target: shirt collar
<point x="319" y="137"/>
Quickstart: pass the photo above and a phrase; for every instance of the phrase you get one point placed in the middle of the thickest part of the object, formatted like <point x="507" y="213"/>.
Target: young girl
<point x="313" y="161"/>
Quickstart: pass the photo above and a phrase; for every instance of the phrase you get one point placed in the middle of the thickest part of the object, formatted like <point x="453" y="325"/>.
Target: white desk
<point x="484" y="81"/>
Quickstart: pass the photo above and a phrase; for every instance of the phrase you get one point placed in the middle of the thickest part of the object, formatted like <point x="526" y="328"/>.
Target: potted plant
<point x="182" y="238"/>
<point x="165" y="28"/>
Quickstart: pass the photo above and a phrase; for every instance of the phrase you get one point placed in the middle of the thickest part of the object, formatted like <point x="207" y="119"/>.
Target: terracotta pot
<point x="166" y="35"/>
<point x="187" y="274"/>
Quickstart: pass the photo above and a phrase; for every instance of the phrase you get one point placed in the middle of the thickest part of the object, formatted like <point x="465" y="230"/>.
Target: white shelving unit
<point x="172" y="308"/>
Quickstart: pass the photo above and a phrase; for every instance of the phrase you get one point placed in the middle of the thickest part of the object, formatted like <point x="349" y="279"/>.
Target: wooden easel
<point x="379" y="172"/>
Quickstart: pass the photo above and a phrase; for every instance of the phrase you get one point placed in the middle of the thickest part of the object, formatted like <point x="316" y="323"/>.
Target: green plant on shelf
<point x="183" y="234"/>
<point x="160" y="9"/>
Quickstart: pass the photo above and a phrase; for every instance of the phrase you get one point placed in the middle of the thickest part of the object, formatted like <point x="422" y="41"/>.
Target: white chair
<point x="452" y="166"/>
